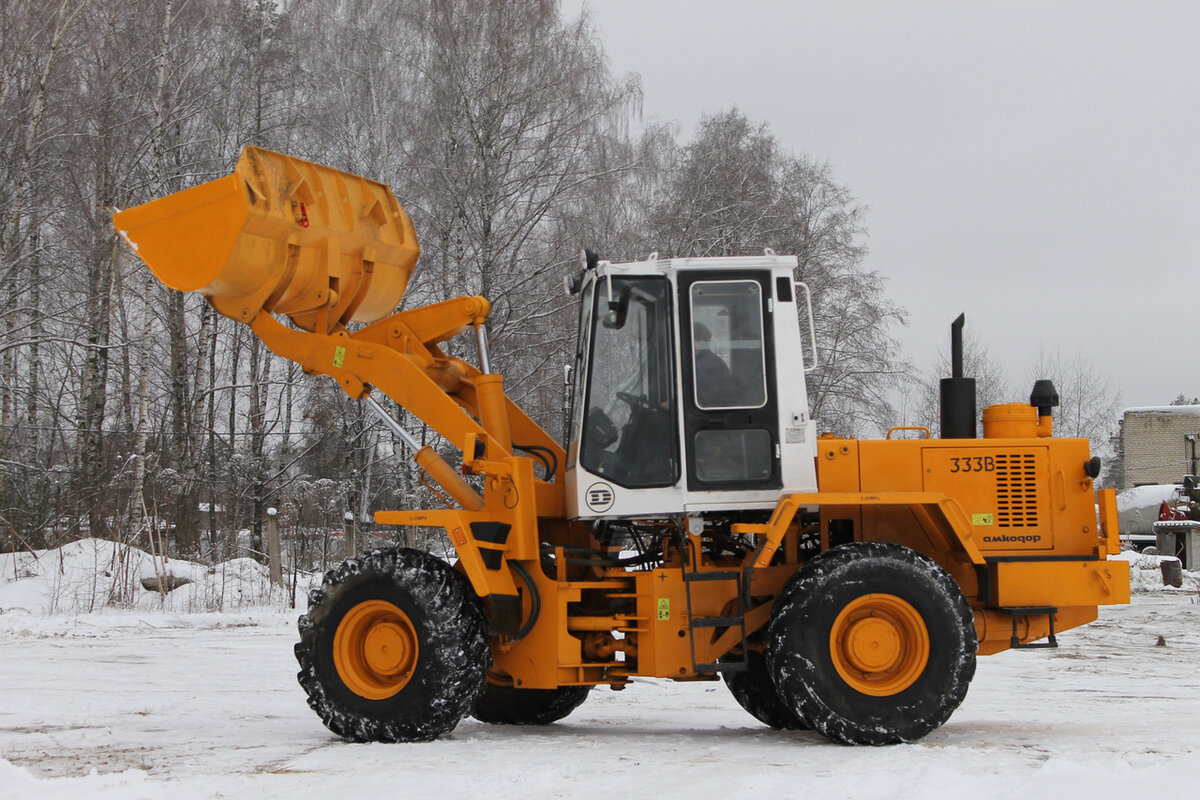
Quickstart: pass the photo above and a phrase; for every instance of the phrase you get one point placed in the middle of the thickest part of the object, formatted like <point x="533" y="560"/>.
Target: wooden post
<point x="348" y="534"/>
<point x="273" y="548"/>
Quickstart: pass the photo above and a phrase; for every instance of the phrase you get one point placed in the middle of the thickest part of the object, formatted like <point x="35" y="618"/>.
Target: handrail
<point x="909" y="428"/>
<point x="812" y="327"/>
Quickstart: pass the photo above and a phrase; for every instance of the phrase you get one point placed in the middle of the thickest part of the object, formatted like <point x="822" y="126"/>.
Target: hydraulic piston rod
<point x="396" y="427"/>
<point x="429" y="460"/>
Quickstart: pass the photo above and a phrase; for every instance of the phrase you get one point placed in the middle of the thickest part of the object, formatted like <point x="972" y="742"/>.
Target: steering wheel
<point x="635" y="401"/>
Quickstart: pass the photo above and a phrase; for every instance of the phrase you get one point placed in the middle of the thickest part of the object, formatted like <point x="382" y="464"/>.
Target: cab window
<point x="728" y="368"/>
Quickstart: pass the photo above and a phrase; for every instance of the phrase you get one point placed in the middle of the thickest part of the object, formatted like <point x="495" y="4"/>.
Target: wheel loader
<point x="695" y="524"/>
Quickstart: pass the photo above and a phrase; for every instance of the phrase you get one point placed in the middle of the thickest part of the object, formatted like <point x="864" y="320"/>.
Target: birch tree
<point x="1089" y="407"/>
<point x="922" y="397"/>
<point x="734" y="191"/>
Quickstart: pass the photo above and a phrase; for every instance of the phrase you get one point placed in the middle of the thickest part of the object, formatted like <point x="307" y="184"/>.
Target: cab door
<point x="731" y="416"/>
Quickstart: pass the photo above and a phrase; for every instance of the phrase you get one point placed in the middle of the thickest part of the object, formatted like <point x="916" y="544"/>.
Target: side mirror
<point x="618" y="310"/>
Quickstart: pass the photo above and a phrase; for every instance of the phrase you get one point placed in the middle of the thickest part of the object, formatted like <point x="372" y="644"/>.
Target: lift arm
<point x="282" y="237"/>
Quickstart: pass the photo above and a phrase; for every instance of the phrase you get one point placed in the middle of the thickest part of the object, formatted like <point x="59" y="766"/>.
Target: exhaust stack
<point x="957" y="392"/>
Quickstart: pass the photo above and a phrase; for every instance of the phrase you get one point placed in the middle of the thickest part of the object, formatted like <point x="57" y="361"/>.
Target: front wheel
<point x="872" y="643"/>
<point x="392" y="648"/>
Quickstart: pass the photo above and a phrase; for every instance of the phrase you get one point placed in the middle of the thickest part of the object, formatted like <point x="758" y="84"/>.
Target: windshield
<point x="580" y="372"/>
<point x="629" y="423"/>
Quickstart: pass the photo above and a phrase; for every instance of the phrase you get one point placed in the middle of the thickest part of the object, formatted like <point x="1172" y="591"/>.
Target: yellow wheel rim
<point x="375" y="649"/>
<point x="879" y="644"/>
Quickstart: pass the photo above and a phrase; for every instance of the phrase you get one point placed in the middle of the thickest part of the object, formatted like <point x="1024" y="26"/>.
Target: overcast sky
<point x="1033" y="164"/>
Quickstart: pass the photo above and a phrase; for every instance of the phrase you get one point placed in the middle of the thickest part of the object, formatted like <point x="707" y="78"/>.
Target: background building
<point x="1158" y="444"/>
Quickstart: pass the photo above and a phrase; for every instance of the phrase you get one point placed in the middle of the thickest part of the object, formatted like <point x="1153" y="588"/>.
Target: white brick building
<point x="1159" y="444"/>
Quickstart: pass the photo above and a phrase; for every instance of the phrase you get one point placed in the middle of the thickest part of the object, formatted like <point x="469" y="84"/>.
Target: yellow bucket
<point x="323" y="246"/>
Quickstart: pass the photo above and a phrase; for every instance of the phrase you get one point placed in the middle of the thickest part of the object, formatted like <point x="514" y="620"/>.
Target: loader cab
<point x="688" y="391"/>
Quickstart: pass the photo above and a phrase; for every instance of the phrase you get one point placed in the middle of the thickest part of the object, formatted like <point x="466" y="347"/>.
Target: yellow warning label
<point x="983" y="519"/>
<point x="664" y="609"/>
<point x="339" y="356"/>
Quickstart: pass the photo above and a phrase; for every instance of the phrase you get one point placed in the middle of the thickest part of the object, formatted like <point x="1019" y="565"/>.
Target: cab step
<point x="714" y="575"/>
<point x="1031" y="611"/>
<point x="738" y="621"/>
<point x="718" y="622"/>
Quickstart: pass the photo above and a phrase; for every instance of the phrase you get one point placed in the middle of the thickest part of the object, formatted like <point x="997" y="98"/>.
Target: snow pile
<point x="94" y="574"/>
<point x="1145" y="573"/>
<point x="1186" y="411"/>
<point x="1137" y="508"/>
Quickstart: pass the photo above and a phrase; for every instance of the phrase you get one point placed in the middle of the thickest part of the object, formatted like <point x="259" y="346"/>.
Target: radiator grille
<point x="1016" y="491"/>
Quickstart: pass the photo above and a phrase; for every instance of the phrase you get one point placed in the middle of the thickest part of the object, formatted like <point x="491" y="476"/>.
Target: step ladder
<point x="1016" y="612"/>
<point x="739" y="621"/>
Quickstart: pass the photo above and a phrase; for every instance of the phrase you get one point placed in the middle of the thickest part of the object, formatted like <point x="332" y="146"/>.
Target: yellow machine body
<point x="1031" y="512"/>
<point x="1011" y="517"/>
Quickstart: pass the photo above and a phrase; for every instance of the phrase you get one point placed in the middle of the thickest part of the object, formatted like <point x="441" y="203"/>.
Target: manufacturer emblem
<point x="599" y="497"/>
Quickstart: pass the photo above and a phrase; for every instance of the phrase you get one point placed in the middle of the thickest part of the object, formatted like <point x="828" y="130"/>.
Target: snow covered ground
<point x="140" y="704"/>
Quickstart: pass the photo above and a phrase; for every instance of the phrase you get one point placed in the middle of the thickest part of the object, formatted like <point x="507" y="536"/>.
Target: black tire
<point x="902" y="593"/>
<point x="445" y="672"/>
<point x="754" y="691"/>
<point x="503" y="704"/>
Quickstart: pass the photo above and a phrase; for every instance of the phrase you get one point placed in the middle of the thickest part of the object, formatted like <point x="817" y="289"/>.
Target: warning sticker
<point x="339" y="356"/>
<point x="983" y="519"/>
<point x="664" y="609"/>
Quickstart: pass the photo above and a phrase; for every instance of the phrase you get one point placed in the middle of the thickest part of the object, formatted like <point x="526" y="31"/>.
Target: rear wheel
<point x="754" y="691"/>
<point x="872" y="643"/>
<point x="503" y="704"/>
<point x="392" y="648"/>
